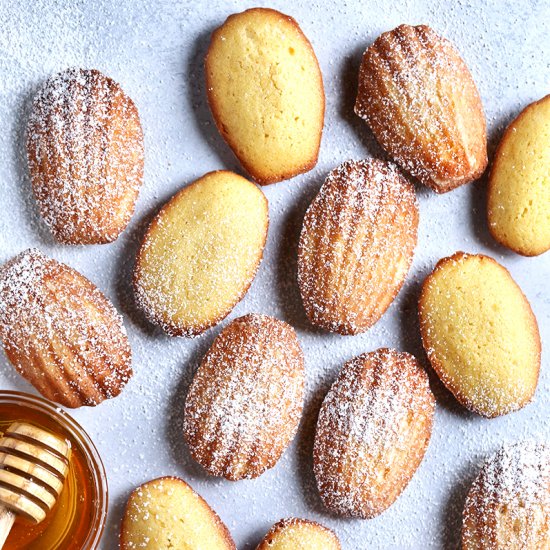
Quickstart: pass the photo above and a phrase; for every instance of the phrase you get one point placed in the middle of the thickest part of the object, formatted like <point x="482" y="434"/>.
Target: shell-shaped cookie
<point x="480" y="334"/>
<point x="518" y="198"/>
<point x="508" y="506"/>
<point x="266" y="94"/>
<point x="60" y="332"/>
<point x="201" y="253"/>
<point x="246" y="399"/>
<point x="299" y="534"/>
<point x="166" y="513"/>
<point x="372" y="433"/>
<point x="420" y="100"/>
<point x="85" y="153"/>
<point x="357" y="245"/>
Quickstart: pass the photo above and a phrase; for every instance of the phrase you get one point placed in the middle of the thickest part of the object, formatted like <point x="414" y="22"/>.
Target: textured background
<point x="155" y="49"/>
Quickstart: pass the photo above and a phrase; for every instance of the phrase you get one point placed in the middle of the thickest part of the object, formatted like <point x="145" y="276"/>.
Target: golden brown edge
<point x="230" y="544"/>
<point x="405" y="481"/>
<point x="508" y="132"/>
<point x="342" y="329"/>
<point x="105" y="239"/>
<point x="191" y="331"/>
<point x="256" y="176"/>
<point x="427" y="344"/>
<point x="451" y="186"/>
<point x="285" y="522"/>
<point x="199" y="459"/>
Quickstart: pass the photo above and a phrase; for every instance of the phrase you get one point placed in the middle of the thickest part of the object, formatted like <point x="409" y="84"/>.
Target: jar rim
<point x="96" y="467"/>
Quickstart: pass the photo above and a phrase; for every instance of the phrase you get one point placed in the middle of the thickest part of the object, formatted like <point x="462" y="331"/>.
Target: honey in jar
<point x="78" y="517"/>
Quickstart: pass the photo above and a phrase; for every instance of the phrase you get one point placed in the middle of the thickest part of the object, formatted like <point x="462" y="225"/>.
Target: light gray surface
<point x="155" y="50"/>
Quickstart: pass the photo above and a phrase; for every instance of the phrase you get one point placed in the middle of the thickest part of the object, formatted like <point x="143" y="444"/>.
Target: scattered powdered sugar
<point x="246" y="399"/>
<point x="509" y="503"/>
<point x="156" y="51"/>
<point x="60" y="332"/>
<point x="372" y="432"/>
<point x="85" y="152"/>
<point x="357" y="244"/>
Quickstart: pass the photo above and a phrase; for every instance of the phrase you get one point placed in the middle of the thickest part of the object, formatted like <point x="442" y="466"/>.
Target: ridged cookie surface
<point x="265" y="91"/>
<point x="356" y="245"/>
<point x="246" y="399"/>
<point x="85" y="152"/>
<point x="60" y="332"/>
<point x="508" y="506"/>
<point x="299" y="534"/>
<point x="421" y="102"/>
<point x="480" y="334"/>
<point x="201" y="253"/>
<point x="519" y="196"/>
<point x="166" y="514"/>
<point x="372" y="433"/>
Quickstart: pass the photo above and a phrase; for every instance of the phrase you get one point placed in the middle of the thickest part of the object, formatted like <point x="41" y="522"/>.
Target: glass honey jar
<point x="78" y="517"/>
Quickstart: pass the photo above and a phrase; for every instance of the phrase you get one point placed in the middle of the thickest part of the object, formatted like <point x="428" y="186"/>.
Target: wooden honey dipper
<point x="33" y="467"/>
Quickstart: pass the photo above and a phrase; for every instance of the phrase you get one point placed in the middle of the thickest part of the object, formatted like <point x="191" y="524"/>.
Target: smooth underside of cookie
<point x="299" y="534"/>
<point x="519" y="185"/>
<point x="266" y="93"/>
<point x="201" y="253"/>
<point x="508" y="505"/>
<point x="420" y="100"/>
<point x="480" y="334"/>
<point x="166" y="514"/>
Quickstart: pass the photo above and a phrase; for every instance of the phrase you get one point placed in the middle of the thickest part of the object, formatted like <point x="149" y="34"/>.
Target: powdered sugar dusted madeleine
<point x="60" y="332"/>
<point x="356" y="246"/>
<point x="518" y="201"/>
<point x="480" y="334"/>
<point x="265" y="91"/>
<point x="508" y="506"/>
<point x="299" y="534"/>
<point x="246" y="399"/>
<point x="201" y="253"/>
<point x="85" y="152"/>
<point x="421" y="102"/>
<point x="166" y="514"/>
<point x="373" y="430"/>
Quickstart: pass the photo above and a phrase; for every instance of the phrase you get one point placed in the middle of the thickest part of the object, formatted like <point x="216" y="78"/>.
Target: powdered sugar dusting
<point x="420" y="101"/>
<point x="372" y="433"/>
<point x="60" y="332"/>
<point x="508" y="505"/>
<point x="356" y="245"/>
<point x="85" y="151"/>
<point x="245" y="402"/>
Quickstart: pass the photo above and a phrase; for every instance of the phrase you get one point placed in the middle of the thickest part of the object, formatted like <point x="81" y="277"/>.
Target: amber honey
<point x="76" y="521"/>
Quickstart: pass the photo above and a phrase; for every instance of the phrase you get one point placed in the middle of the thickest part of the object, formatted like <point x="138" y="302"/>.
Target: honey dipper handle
<point x="7" y="517"/>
